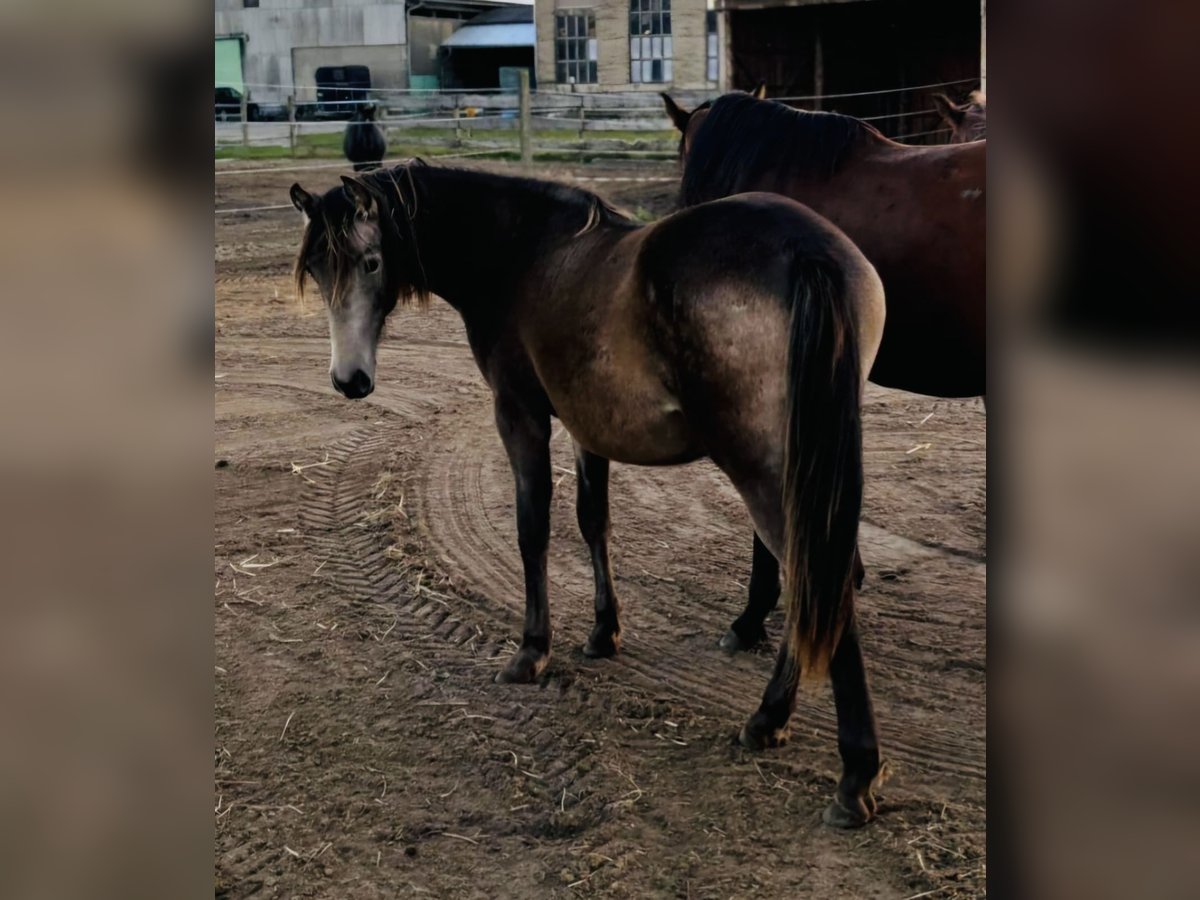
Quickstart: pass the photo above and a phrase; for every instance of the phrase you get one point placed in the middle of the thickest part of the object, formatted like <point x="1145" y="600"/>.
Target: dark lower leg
<point x="768" y="727"/>
<point x="748" y="629"/>
<point x="858" y="742"/>
<point x="527" y="443"/>
<point x="591" y="508"/>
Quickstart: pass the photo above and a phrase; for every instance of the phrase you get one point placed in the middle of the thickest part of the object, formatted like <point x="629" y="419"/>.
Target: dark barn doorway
<point x="869" y="45"/>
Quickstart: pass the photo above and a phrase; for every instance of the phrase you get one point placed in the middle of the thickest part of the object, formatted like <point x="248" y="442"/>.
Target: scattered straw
<point x="459" y="837"/>
<point x="297" y="468"/>
<point x="285" y="726"/>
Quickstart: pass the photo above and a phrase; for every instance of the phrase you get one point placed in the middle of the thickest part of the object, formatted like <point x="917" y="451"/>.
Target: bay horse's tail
<point x="823" y="479"/>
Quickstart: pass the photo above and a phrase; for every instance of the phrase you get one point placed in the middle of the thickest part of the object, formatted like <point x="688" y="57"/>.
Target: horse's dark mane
<point x="742" y="138"/>
<point x="400" y="192"/>
<point x="329" y="233"/>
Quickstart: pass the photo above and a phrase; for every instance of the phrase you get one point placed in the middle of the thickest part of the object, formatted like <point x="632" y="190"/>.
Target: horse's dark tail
<point x="823" y="480"/>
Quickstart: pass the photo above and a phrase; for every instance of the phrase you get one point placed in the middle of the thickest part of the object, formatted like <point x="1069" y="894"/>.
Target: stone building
<point x="848" y="50"/>
<point x="627" y="45"/>
<point x="275" y="48"/>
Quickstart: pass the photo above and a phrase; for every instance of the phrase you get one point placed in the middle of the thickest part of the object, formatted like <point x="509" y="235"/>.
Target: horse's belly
<point x="629" y="423"/>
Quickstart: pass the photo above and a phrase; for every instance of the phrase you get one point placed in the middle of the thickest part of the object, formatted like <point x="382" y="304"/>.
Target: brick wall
<point x="612" y="31"/>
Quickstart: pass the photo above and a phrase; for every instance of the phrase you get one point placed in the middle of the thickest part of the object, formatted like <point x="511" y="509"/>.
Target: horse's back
<point x="750" y="237"/>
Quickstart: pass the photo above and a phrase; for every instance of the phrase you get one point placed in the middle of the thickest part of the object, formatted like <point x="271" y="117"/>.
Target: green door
<point x="229" y="64"/>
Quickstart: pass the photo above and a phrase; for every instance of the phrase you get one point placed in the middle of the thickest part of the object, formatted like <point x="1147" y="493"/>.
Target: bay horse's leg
<point x="591" y="508"/>
<point x="526" y="437"/>
<point x="858" y="742"/>
<point x="748" y="629"/>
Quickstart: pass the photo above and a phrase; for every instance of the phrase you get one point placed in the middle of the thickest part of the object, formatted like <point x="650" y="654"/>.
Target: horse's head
<point x="967" y="121"/>
<point x="689" y="123"/>
<point x="358" y="247"/>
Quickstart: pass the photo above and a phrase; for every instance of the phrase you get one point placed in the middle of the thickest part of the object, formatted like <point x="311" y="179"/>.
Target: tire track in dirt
<point x="453" y="632"/>
<point x="462" y="493"/>
<point x="466" y="503"/>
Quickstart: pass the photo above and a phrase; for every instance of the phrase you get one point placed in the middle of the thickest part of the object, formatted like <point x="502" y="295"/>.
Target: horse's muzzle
<point x="359" y="385"/>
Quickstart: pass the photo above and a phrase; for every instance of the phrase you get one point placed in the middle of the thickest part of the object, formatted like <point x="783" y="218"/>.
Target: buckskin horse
<point x="653" y="345"/>
<point x="364" y="144"/>
<point x="917" y="212"/>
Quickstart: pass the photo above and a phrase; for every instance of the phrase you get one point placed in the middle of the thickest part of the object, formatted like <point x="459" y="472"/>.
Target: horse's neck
<point x="471" y="252"/>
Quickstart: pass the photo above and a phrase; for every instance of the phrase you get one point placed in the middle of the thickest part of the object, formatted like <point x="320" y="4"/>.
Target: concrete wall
<point x="353" y="32"/>
<point x="612" y="31"/>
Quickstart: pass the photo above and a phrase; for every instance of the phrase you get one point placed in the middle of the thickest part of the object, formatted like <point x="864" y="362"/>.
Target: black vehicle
<point x="229" y="108"/>
<point x="229" y="105"/>
<point x="341" y="90"/>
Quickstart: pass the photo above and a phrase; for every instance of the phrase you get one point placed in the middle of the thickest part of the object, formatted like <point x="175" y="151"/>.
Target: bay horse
<point x="652" y="345"/>
<point x="916" y="212"/>
<point x="365" y="143"/>
<point x="967" y="121"/>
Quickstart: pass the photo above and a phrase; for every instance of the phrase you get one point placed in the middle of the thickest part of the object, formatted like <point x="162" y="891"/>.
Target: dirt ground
<point x="368" y="587"/>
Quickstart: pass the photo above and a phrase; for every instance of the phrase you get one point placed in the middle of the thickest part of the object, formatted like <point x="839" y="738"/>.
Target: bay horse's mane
<point x="742" y="137"/>
<point x="399" y="193"/>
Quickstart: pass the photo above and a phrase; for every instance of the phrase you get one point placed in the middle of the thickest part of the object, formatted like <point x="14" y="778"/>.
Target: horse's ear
<point x="760" y="92"/>
<point x="679" y="115"/>
<point x="947" y="110"/>
<point x="303" y="200"/>
<point x="358" y="192"/>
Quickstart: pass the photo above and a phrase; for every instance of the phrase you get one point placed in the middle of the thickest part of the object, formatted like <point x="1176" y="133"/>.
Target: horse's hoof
<point x="602" y="645"/>
<point x="523" y="668"/>
<point x="842" y="815"/>
<point x="733" y="643"/>
<point x="758" y="735"/>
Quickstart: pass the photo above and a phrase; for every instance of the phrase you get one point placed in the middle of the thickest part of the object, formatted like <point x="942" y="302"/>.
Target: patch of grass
<point x="431" y="142"/>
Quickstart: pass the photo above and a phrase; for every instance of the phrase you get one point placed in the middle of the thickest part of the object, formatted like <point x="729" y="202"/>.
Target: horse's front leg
<point x="526" y="437"/>
<point x="749" y="628"/>
<point x="591" y="508"/>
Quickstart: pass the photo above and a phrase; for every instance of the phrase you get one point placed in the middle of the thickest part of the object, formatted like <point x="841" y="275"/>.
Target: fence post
<point x="245" y="121"/>
<point x="291" y="113"/>
<point x="526" y="153"/>
<point x="983" y="46"/>
<point x="457" y="123"/>
<point x="582" y="119"/>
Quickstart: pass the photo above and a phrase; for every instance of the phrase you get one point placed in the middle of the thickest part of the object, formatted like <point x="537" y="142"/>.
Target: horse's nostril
<point x="358" y="386"/>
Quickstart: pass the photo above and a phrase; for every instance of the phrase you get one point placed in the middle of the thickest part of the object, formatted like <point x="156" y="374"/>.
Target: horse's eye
<point x="371" y="266"/>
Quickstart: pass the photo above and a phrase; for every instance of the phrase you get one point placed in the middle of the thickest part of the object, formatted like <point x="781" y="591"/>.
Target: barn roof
<point x="510" y="26"/>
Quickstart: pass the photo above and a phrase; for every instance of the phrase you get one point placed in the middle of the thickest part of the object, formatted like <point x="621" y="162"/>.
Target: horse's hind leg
<point x="858" y="743"/>
<point x="748" y="629"/>
<point x="526" y="437"/>
<point x="591" y="508"/>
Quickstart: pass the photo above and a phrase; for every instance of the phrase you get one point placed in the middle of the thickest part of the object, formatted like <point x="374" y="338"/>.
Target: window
<point x="711" y="29"/>
<point x="649" y="40"/>
<point x="575" y="47"/>
<point x="250" y="4"/>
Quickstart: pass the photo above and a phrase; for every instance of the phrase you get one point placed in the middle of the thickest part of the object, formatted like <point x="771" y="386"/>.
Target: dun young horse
<point x="365" y="144"/>
<point x="967" y="121"/>
<point x="653" y="345"/>
<point x="918" y="213"/>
